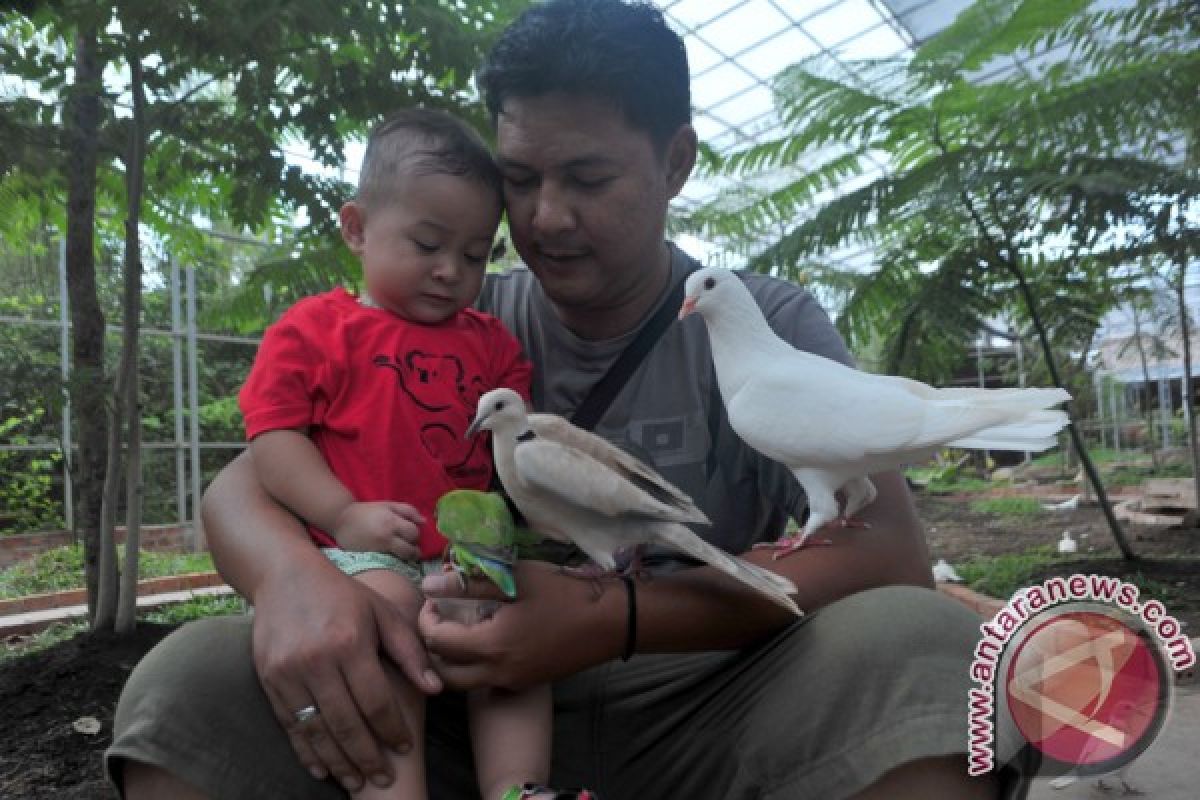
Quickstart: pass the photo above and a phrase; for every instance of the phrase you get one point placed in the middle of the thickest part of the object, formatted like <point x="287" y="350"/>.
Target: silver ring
<point x="306" y="714"/>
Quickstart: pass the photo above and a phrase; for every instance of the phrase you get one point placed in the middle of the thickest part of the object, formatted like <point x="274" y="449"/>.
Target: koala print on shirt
<point x="438" y="385"/>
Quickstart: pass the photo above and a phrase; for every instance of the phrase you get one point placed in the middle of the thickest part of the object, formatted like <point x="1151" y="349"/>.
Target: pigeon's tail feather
<point x="1014" y="400"/>
<point x="1034" y="432"/>
<point x="771" y="584"/>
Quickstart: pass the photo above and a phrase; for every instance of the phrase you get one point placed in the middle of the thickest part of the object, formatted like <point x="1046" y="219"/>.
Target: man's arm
<point x="317" y="633"/>
<point x="559" y="626"/>
<point x="707" y="611"/>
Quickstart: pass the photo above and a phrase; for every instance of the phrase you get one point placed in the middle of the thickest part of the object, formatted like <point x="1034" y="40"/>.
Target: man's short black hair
<point x="419" y="141"/>
<point x="620" y="52"/>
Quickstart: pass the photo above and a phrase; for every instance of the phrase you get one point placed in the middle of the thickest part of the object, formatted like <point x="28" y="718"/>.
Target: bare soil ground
<point x="1167" y="564"/>
<point x="44" y="694"/>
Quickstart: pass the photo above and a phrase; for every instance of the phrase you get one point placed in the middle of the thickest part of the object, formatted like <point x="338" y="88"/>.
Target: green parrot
<point x="483" y="537"/>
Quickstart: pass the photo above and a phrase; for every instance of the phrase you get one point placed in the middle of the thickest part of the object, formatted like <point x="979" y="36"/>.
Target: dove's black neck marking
<point x="526" y="436"/>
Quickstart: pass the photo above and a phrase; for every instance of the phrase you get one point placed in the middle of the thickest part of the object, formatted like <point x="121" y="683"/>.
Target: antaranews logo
<point x="1081" y="669"/>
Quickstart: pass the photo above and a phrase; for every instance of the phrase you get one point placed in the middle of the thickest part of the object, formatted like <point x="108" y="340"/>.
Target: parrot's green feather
<point x="482" y="535"/>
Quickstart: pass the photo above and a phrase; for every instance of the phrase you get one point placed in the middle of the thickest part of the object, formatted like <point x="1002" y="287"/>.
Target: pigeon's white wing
<point x="556" y="429"/>
<point x="832" y="416"/>
<point x="826" y="417"/>
<point x="571" y="476"/>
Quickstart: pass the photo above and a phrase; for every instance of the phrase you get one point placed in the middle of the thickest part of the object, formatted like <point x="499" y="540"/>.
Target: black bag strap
<point x="608" y="387"/>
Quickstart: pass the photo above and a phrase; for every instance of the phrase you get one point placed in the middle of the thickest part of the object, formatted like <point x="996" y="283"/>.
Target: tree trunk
<point x="1146" y="415"/>
<point x="134" y="172"/>
<point x="82" y="125"/>
<point x="1007" y="257"/>
<point x="1085" y="460"/>
<point x="1185" y="331"/>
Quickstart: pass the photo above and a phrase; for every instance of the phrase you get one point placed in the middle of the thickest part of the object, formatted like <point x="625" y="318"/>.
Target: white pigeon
<point x="833" y="425"/>
<point x="943" y="572"/>
<point x="573" y="486"/>
<point x="1066" y="505"/>
<point x="1066" y="544"/>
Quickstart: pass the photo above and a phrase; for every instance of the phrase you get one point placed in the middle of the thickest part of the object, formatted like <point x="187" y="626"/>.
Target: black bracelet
<point x="631" y="624"/>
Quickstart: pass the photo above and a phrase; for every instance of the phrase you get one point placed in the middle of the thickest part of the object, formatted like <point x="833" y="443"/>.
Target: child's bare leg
<point x="409" y="769"/>
<point x="511" y="735"/>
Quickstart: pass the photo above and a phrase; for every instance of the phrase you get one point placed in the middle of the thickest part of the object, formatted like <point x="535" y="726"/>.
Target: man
<point x="728" y="697"/>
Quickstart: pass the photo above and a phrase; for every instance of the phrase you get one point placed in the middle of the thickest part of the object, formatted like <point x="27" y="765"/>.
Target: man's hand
<point x="557" y="626"/>
<point x="321" y="647"/>
<point x="380" y="527"/>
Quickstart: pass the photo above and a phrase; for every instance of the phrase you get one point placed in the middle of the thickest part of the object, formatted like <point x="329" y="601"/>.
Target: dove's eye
<point x="710" y="283"/>
<point x="500" y="406"/>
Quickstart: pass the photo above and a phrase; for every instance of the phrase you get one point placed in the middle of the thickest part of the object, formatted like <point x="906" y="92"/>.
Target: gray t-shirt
<point x="662" y="414"/>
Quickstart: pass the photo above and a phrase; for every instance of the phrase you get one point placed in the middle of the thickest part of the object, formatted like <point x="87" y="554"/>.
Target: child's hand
<point x="381" y="527"/>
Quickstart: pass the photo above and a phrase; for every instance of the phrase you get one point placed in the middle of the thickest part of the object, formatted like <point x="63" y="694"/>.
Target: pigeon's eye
<point x="500" y="405"/>
<point x="710" y="283"/>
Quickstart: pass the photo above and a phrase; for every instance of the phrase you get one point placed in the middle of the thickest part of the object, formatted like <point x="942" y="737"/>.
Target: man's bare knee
<point x="148" y="782"/>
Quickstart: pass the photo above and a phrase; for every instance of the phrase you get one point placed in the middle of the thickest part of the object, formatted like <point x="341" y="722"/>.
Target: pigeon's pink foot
<point x="790" y="544"/>
<point x="852" y="522"/>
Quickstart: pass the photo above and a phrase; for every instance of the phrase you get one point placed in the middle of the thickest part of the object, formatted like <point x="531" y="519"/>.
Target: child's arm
<point x="295" y="473"/>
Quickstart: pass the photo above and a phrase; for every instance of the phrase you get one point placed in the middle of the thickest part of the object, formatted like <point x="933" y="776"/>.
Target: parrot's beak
<point x="689" y="305"/>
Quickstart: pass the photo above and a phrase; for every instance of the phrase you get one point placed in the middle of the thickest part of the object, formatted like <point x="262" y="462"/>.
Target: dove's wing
<point x="800" y="413"/>
<point x="550" y="427"/>
<point x="569" y="475"/>
<point x="815" y="412"/>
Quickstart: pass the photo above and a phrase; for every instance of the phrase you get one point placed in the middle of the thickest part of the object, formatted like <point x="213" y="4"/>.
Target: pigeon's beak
<point x="474" y="427"/>
<point x="689" y="305"/>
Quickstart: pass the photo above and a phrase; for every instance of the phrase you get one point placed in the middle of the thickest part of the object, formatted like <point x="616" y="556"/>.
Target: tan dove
<point x="574" y="486"/>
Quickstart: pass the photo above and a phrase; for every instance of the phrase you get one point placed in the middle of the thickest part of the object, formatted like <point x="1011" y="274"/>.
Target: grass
<point x="61" y="568"/>
<point x="204" y="606"/>
<point x="1000" y="576"/>
<point x="1007" y="506"/>
<point x="58" y="632"/>
<point x="1136" y="476"/>
<point x="959" y="486"/>
<point x="207" y="606"/>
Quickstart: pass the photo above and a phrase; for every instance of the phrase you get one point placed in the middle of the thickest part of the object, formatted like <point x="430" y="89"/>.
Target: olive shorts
<point x="821" y="711"/>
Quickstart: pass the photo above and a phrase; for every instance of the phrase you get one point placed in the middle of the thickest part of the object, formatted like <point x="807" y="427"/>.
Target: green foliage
<point x="28" y="493"/>
<point x="1049" y="178"/>
<point x="205" y="606"/>
<point x="48" y="637"/>
<point x="1000" y="576"/>
<point x="61" y="568"/>
<point x="947" y="474"/>
<point x="1007" y="506"/>
<point x="173" y="614"/>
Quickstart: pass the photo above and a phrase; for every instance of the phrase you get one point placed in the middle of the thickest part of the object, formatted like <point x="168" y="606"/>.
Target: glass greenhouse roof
<point x="737" y="47"/>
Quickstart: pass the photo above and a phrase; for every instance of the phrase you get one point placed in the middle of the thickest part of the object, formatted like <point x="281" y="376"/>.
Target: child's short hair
<point x="420" y="141"/>
<point x="621" y="52"/>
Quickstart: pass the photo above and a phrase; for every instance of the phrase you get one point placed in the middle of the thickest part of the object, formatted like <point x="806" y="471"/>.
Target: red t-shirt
<point x="386" y="401"/>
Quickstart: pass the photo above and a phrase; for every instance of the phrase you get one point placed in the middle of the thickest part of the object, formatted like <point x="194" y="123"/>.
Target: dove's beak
<point x="689" y="305"/>
<point x="474" y="427"/>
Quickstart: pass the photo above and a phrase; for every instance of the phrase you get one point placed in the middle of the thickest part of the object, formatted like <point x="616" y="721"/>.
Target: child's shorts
<point x="353" y="562"/>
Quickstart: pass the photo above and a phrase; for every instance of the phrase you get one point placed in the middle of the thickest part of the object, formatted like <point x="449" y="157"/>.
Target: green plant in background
<point x="61" y="568"/>
<point x="933" y="483"/>
<point x="28" y="492"/>
<point x="217" y="605"/>
<point x="48" y="637"/>
<point x="1000" y="576"/>
<point x="174" y="614"/>
<point x="1008" y="506"/>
